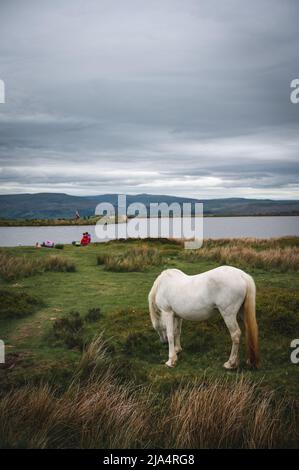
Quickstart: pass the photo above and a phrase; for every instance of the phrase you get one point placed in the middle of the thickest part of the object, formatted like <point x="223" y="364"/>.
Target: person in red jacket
<point x="85" y="239"/>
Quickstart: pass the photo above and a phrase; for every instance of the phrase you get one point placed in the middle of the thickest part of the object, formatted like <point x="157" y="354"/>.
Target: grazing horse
<point x="175" y="297"/>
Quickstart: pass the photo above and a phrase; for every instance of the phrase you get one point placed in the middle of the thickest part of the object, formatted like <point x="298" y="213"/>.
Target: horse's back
<point x="223" y="277"/>
<point x="227" y="274"/>
<point x="216" y="288"/>
<point x="225" y="285"/>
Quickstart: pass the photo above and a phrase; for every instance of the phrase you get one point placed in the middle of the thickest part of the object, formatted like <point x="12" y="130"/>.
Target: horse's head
<point x="161" y="330"/>
<point x="162" y="335"/>
<point x="156" y="316"/>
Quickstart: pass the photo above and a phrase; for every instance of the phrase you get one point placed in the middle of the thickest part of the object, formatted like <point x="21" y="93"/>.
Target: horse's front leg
<point x="169" y="322"/>
<point x="177" y="334"/>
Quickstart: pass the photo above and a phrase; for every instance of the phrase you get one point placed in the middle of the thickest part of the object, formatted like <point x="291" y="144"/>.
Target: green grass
<point x="37" y="353"/>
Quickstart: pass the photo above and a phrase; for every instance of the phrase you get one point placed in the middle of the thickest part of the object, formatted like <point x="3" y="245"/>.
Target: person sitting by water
<point x="88" y="236"/>
<point x="85" y="239"/>
<point x="48" y="244"/>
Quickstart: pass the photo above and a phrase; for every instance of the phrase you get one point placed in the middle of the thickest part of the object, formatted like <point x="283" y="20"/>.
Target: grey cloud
<point x="171" y="97"/>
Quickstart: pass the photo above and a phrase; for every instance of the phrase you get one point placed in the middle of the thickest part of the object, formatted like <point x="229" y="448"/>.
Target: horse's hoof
<point x="169" y="363"/>
<point x="250" y="365"/>
<point x="229" y="366"/>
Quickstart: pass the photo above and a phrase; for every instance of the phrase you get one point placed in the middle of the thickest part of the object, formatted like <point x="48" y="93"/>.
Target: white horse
<point x="175" y="297"/>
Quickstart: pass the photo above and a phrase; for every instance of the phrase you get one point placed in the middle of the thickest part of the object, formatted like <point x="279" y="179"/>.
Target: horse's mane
<point x="154" y="311"/>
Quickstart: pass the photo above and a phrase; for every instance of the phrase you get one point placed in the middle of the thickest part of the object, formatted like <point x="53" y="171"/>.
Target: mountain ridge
<point x="62" y="205"/>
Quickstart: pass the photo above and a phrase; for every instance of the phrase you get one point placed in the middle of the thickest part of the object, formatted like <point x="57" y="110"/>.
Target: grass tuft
<point x="16" y="267"/>
<point x="135" y="259"/>
<point x="279" y="259"/>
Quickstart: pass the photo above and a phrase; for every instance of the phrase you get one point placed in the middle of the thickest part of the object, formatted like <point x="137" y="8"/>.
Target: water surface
<point x="213" y="227"/>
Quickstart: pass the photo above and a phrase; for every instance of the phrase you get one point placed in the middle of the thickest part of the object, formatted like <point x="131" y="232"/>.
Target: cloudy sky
<point x="160" y="96"/>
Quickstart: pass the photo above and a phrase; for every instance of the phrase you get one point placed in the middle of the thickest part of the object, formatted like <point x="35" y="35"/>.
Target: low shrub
<point x="152" y="241"/>
<point x="278" y="310"/>
<point x="93" y="315"/>
<point x="138" y="343"/>
<point x="16" y="304"/>
<point x="101" y="258"/>
<point x="70" y="330"/>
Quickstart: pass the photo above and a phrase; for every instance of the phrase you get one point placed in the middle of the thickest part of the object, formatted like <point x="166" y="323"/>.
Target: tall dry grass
<point x="92" y="413"/>
<point x="219" y="414"/>
<point x="58" y="263"/>
<point x="280" y="259"/>
<point x="253" y="242"/>
<point x="15" y="267"/>
<point x="135" y="259"/>
<point x="96" y="411"/>
<point x="100" y="414"/>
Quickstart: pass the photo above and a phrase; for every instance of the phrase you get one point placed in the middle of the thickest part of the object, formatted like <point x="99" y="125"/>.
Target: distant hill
<point x="56" y="205"/>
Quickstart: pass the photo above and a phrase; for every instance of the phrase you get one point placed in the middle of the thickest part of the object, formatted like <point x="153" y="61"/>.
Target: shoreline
<point x="294" y="238"/>
<point x="71" y="223"/>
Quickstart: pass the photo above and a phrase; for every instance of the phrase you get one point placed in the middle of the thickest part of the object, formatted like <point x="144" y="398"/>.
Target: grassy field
<point x="90" y="220"/>
<point x="53" y="308"/>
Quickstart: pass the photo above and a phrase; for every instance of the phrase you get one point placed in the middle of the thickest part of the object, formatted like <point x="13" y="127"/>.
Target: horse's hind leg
<point x="170" y="327"/>
<point x="235" y="333"/>
<point x="177" y="334"/>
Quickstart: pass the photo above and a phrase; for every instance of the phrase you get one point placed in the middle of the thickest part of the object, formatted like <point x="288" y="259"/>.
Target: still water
<point x="218" y="227"/>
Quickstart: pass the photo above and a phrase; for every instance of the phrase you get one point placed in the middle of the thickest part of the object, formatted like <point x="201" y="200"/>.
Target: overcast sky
<point x="160" y="96"/>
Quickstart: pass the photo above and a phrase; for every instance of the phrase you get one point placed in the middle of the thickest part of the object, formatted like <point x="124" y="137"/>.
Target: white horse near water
<point x="175" y="297"/>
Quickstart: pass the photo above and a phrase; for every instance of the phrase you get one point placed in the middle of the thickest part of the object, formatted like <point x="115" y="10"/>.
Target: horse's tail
<point x="251" y="327"/>
<point x="152" y="303"/>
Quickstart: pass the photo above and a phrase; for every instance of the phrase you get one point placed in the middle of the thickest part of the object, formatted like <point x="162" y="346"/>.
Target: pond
<point x="213" y="227"/>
